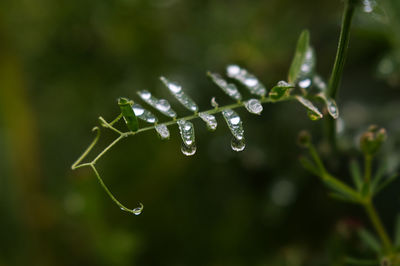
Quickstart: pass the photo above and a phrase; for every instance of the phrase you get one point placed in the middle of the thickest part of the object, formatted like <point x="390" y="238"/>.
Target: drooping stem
<point x="122" y="207"/>
<point x="377" y="223"/>
<point x="337" y="71"/>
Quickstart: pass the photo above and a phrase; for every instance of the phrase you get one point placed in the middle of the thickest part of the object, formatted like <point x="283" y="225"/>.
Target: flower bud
<point x="304" y="139"/>
<point x="371" y="141"/>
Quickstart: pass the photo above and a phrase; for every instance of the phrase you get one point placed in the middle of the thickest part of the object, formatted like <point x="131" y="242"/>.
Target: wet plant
<point x="303" y="85"/>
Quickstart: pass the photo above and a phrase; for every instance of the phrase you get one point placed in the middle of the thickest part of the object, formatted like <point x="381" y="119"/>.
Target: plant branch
<point x="337" y="71"/>
<point x="377" y="223"/>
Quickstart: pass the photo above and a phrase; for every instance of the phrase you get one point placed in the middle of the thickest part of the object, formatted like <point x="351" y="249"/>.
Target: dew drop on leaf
<point x="234" y="123"/>
<point x="305" y="83"/>
<point x="161" y="105"/>
<point x="188" y="150"/>
<point x="210" y="121"/>
<point x="186" y="130"/>
<point x="254" y="106"/>
<point x="162" y="131"/>
<point x="144" y="114"/>
<point x="180" y="95"/>
<point x="238" y="145"/>
<point x="229" y="88"/>
<point x="314" y="113"/>
<point x="247" y="79"/>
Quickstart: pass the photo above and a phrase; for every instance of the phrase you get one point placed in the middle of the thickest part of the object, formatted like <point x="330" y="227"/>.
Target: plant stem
<point x="328" y="178"/>
<point x="377" y="223"/>
<point x="337" y="71"/>
<point x="341" y="52"/>
<point x="367" y="168"/>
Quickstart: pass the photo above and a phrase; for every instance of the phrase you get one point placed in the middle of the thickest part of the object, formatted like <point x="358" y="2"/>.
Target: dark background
<point x="63" y="63"/>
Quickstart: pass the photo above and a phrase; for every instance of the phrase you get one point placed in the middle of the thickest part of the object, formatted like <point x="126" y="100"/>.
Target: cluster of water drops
<point x="232" y="119"/>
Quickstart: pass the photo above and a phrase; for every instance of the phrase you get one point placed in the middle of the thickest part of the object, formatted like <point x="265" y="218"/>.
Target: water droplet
<point x="330" y="105"/>
<point x="144" y="94"/>
<point x="179" y="94"/>
<point x="305" y="83"/>
<point x="281" y="90"/>
<point x="251" y="82"/>
<point x="186" y="130"/>
<point x="233" y="70"/>
<point x="214" y="102"/>
<point x="210" y="121"/>
<point x="254" y="106"/>
<point x="161" y="105"/>
<point x="229" y="88"/>
<point x="188" y="150"/>
<point x="247" y="79"/>
<point x="283" y="83"/>
<point x="234" y="123"/>
<point x="162" y="131"/>
<point x="238" y="145"/>
<point x="138" y="110"/>
<point x="319" y="83"/>
<point x="138" y="210"/>
<point x="314" y="113"/>
<point x="369" y="5"/>
<point x="144" y="114"/>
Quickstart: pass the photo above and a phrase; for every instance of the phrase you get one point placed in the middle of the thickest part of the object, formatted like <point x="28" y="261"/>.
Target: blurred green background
<point x="63" y="63"/>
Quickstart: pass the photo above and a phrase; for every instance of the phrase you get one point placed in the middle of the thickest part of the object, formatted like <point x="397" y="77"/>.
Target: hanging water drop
<point x="254" y="106"/>
<point x="138" y="210"/>
<point x="188" y="150"/>
<point x="186" y="130"/>
<point x="238" y="145"/>
<point x="162" y="131"/>
<point x="179" y="94"/>
<point x="210" y="120"/>
<point x="234" y="123"/>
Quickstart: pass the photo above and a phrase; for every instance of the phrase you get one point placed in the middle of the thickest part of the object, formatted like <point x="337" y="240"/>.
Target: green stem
<point x="122" y="207"/>
<point x="367" y="168"/>
<point x="337" y="71"/>
<point x="377" y="223"/>
<point x="328" y="178"/>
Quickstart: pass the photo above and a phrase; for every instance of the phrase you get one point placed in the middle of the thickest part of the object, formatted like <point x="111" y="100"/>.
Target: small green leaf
<point x="177" y="91"/>
<point x="129" y="115"/>
<point x="308" y="165"/>
<point x="299" y="56"/>
<point x="356" y="174"/>
<point x="386" y="183"/>
<point x="313" y="112"/>
<point x="370" y="240"/>
<point x="343" y="198"/>
<point x="380" y="173"/>
<point x="280" y="91"/>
